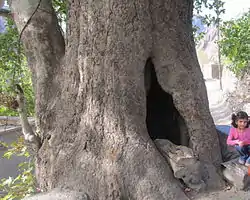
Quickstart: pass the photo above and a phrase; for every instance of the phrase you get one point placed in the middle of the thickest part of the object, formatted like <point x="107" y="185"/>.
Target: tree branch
<point x="44" y="47"/>
<point x="5" y="12"/>
<point x="27" y="130"/>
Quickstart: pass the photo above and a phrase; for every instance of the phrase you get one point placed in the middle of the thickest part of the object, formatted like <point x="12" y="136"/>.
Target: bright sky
<point x="234" y="7"/>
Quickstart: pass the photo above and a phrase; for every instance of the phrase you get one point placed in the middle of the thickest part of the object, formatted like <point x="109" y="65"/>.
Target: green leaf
<point x="24" y="183"/>
<point x="8" y="154"/>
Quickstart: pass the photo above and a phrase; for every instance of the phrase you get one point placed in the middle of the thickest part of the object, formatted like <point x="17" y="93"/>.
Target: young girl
<point x="239" y="136"/>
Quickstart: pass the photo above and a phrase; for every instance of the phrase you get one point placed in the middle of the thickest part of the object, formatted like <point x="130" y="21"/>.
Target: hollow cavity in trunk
<point x="163" y="119"/>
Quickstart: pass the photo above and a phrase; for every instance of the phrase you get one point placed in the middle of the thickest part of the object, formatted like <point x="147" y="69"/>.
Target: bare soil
<point x="231" y="194"/>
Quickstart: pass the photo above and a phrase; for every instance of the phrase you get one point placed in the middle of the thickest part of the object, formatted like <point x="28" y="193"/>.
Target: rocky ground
<point x="231" y="194"/>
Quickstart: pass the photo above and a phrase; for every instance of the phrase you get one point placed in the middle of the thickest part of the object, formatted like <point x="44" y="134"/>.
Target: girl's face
<point x="242" y="123"/>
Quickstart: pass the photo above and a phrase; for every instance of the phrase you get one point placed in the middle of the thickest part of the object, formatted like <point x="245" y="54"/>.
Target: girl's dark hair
<point x="239" y="115"/>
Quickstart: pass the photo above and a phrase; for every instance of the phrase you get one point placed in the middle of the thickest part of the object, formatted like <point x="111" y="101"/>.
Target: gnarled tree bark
<point x="91" y="101"/>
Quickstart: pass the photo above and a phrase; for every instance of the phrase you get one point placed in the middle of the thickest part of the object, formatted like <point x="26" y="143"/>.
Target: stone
<point x="227" y="152"/>
<point x="236" y="174"/>
<point x="183" y="162"/>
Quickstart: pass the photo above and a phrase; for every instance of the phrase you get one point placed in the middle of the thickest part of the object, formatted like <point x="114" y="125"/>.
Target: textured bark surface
<point x="59" y="194"/>
<point x="91" y="101"/>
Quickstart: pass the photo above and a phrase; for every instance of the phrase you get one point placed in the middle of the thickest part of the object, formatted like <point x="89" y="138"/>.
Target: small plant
<point x="24" y="184"/>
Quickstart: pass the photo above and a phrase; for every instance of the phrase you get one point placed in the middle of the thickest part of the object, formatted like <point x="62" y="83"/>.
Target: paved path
<point x="219" y="108"/>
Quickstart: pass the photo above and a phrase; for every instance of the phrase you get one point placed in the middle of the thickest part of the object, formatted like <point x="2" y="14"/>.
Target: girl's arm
<point x="247" y="136"/>
<point x="230" y="139"/>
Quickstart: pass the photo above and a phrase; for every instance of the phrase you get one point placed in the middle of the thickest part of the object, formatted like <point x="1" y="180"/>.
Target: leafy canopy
<point x="13" y="70"/>
<point x="235" y="44"/>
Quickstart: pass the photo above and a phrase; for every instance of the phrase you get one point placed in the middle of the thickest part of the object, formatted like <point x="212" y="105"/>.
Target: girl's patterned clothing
<point x="235" y="137"/>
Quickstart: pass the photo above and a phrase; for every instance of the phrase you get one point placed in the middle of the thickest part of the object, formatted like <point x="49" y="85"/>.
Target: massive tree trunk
<point x="95" y="108"/>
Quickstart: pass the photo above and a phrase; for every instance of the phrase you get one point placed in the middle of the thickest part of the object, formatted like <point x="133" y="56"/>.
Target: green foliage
<point x="60" y="7"/>
<point x="13" y="69"/>
<point x="235" y="44"/>
<point x="4" y="111"/>
<point x="13" y="65"/>
<point x="24" y="184"/>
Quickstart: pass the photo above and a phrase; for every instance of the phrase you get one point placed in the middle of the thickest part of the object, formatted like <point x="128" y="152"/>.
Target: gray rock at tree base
<point x="236" y="174"/>
<point x="227" y="152"/>
<point x="210" y="176"/>
<point x="197" y="175"/>
<point x="59" y="194"/>
<point x="183" y="162"/>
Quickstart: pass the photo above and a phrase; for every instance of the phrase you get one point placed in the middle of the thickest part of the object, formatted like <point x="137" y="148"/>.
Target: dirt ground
<point x="232" y="194"/>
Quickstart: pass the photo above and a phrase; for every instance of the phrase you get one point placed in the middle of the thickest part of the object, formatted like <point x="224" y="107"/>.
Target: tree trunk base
<point x="59" y="194"/>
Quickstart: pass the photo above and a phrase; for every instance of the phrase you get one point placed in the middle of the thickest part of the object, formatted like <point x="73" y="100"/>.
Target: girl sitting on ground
<point x="239" y="136"/>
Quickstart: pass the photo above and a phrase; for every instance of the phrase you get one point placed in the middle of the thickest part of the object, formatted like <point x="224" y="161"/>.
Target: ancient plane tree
<point x="126" y="73"/>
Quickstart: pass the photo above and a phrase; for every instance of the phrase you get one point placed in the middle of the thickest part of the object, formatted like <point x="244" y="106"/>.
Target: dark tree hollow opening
<point x="162" y="118"/>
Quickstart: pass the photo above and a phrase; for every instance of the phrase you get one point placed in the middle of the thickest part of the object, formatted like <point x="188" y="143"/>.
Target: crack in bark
<point x="135" y="16"/>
